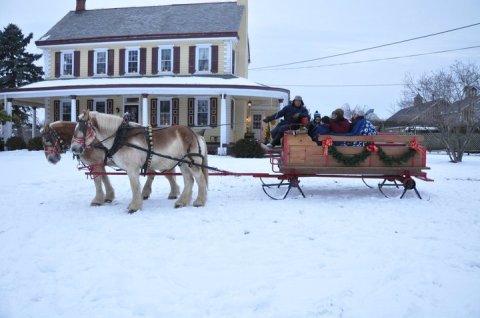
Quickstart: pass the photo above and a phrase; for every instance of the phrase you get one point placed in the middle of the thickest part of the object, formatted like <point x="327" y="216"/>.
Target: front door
<point x="257" y="124"/>
<point x="132" y="110"/>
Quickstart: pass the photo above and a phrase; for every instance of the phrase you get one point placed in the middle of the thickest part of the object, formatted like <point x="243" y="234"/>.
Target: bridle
<point x="59" y="145"/>
<point x="87" y="131"/>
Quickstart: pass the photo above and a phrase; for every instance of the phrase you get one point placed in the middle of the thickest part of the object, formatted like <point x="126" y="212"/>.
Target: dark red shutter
<point x="56" y="110"/>
<point x="90" y="62"/>
<point x="153" y="112"/>
<point x="121" y="62"/>
<point x="213" y="111"/>
<point x="232" y="114"/>
<point x="58" y="56"/>
<point x="111" y="61"/>
<point x="77" y="109"/>
<point x="154" y="60"/>
<point x="191" y="59"/>
<point x="90" y="104"/>
<point x="214" y="59"/>
<point x="76" y="63"/>
<point x="109" y="106"/>
<point x="175" y="111"/>
<point x="191" y="111"/>
<point x="176" y="59"/>
<point x="233" y="62"/>
<point x="143" y="61"/>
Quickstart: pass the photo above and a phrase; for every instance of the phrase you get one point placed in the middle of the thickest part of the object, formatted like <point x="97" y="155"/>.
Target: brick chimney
<point x="418" y="100"/>
<point x="80" y="6"/>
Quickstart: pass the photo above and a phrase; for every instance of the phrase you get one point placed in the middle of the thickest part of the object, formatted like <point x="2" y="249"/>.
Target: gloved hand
<point x="266" y="119"/>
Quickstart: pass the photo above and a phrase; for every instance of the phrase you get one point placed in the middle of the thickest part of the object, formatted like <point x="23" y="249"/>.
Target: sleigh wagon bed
<point x="394" y="159"/>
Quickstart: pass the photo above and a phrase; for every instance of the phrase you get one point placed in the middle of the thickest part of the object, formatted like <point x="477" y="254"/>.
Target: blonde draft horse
<point x="56" y="139"/>
<point x="131" y="150"/>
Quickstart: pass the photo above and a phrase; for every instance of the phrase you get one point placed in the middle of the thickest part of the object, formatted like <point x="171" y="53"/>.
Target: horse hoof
<point x="146" y="197"/>
<point x="108" y="201"/>
<point x="132" y="211"/>
<point x="95" y="204"/>
<point x="179" y="205"/>
<point x="172" y="197"/>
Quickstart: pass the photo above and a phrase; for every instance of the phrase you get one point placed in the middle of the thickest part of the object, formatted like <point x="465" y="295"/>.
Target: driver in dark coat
<point x="292" y="113"/>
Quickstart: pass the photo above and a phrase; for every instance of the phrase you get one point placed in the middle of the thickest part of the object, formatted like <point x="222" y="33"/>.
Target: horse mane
<point x="105" y="121"/>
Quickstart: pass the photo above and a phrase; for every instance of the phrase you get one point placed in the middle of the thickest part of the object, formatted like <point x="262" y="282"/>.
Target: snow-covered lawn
<point x="344" y="251"/>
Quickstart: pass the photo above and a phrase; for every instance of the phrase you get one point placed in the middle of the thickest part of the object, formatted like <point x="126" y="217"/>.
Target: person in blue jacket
<point x="292" y="114"/>
<point x="361" y="126"/>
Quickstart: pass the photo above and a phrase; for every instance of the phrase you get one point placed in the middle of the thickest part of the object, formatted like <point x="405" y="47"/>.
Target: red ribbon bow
<point x="415" y="145"/>
<point x="327" y="142"/>
<point x="372" y="148"/>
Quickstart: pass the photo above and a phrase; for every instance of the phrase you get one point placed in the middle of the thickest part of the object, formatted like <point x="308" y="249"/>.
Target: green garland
<point x="391" y="160"/>
<point x="354" y="160"/>
<point x="349" y="160"/>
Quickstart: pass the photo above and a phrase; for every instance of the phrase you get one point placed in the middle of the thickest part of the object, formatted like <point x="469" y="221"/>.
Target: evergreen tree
<point x="16" y="67"/>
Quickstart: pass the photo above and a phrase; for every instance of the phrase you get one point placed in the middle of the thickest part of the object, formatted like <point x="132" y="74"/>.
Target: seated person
<point x="322" y="129"/>
<point x="317" y="120"/>
<point x="361" y="125"/>
<point x="339" y="124"/>
<point x="292" y="114"/>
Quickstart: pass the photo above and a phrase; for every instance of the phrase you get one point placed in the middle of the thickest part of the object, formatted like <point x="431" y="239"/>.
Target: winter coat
<point x="289" y="114"/>
<point x="363" y="127"/>
<point x="339" y="126"/>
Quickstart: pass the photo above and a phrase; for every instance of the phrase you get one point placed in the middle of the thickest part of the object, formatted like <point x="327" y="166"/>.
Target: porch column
<point x="223" y="126"/>
<point x="34" y="122"/>
<point x="145" y="109"/>
<point x="8" y="125"/>
<point x="73" y="108"/>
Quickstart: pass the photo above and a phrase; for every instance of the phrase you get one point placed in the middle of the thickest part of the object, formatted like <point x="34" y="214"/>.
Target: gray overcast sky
<point x="287" y="31"/>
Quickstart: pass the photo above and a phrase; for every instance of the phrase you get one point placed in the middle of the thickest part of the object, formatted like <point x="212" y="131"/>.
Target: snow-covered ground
<point x="344" y="251"/>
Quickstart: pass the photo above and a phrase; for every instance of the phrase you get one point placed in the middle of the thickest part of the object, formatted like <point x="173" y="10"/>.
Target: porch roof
<point x="163" y="85"/>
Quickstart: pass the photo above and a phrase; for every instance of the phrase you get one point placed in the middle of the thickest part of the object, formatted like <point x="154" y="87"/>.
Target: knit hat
<point x="316" y="115"/>
<point x="298" y="97"/>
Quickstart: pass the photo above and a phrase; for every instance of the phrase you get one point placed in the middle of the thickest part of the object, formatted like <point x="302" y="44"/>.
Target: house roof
<point x="162" y="85"/>
<point x="409" y="114"/>
<point x="141" y="23"/>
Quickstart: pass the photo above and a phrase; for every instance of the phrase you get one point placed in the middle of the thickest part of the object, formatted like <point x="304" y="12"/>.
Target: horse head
<point x="53" y="143"/>
<point x="84" y="132"/>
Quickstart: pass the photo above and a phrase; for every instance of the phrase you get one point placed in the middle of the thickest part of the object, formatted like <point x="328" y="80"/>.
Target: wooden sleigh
<point x="394" y="159"/>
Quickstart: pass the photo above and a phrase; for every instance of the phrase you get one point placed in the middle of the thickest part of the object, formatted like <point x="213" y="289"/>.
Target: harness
<point x="60" y="146"/>
<point x="120" y="140"/>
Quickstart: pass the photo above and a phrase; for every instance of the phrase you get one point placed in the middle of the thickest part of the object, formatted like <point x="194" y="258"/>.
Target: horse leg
<point x="136" y="204"/>
<point x="147" y="187"/>
<point x="186" y="195"/>
<point x="99" y="198"/>
<point x="110" y="193"/>
<point x="202" y="186"/>
<point x="174" y="188"/>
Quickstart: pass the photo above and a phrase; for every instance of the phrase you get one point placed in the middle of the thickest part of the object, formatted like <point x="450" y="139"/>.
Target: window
<point x="100" y="105"/>
<point x="165" y="113"/>
<point x="166" y="59"/>
<point x="66" y="111"/>
<point x="202" y="112"/>
<point x="67" y="63"/>
<point x="100" y="62"/>
<point x="132" y="62"/>
<point x="203" y="58"/>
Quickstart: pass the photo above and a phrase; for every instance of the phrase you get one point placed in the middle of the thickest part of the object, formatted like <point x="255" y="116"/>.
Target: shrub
<point x="247" y="148"/>
<point x="35" y="144"/>
<point x="16" y="143"/>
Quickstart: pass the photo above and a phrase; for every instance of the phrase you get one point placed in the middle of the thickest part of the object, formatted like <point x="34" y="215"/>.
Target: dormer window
<point x="166" y="59"/>
<point x="203" y="62"/>
<point x="100" y="62"/>
<point x="132" y="61"/>
<point x="66" y="63"/>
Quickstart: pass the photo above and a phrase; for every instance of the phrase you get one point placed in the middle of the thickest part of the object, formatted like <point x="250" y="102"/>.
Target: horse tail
<point x="205" y="159"/>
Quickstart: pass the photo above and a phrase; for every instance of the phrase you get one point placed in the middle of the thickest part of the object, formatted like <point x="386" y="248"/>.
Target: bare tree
<point x="457" y="114"/>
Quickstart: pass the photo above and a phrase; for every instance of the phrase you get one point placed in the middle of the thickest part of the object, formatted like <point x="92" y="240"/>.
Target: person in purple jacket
<point x="339" y="124"/>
